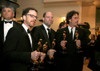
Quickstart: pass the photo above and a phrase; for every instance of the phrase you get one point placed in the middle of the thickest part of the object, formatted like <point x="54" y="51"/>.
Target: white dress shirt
<point x="73" y="30"/>
<point x="46" y="27"/>
<point x="7" y="26"/>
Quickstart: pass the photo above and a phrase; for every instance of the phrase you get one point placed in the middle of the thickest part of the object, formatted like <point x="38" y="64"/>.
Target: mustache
<point x="33" y="21"/>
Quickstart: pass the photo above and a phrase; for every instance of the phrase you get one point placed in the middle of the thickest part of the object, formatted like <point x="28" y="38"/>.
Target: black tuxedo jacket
<point x="71" y="45"/>
<point x="2" y="37"/>
<point x="38" y="33"/>
<point x="17" y="50"/>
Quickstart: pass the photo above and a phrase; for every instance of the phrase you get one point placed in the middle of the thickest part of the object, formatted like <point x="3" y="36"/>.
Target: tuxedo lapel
<point x="67" y="34"/>
<point x="44" y="33"/>
<point x="78" y="31"/>
<point x="52" y="35"/>
<point x="25" y="35"/>
<point x="67" y="31"/>
<point x="14" y="23"/>
<point x="75" y="33"/>
<point x="46" y="38"/>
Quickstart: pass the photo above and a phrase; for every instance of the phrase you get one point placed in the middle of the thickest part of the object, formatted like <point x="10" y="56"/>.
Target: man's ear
<point x="13" y="14"/>
<point x="43" y="19"/>
<point x="24" y="17"/>
<point x="69" y="20"/>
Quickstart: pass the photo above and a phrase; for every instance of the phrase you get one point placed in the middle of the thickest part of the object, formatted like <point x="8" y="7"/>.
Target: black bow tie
<point x="8" y="21"/>
<point x="28" y="31"/>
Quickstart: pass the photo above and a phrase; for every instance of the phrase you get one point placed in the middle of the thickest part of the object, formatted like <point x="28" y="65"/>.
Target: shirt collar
<point x="69" y="27"/>
<point x="45" y="26"/>
<point x="7" y="20"/>
<point x="72" y="29"/>
<point x="25" y="27"/>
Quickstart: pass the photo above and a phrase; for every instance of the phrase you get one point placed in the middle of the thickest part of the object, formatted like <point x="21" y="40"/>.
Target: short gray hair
<point x="13" y="9"/>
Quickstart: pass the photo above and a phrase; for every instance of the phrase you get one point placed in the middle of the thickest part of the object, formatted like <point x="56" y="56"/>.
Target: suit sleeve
<point x="59" y="38"/>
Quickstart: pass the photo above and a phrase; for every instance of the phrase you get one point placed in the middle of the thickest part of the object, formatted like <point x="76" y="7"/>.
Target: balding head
<point x="47" y="13"/>
<point x="48" y="18"/>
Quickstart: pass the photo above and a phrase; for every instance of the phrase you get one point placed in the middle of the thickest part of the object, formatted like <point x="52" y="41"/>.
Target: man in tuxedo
<point x="8" y="13"/>
<point x="69" y="44"/>
<point x="17" y="51"/>
<point x="47" y="35"/>
<point x="96" y="64"/>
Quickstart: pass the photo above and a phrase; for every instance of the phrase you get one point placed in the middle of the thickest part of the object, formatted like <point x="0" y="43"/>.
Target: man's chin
<point x="8" y="18"/>
<point x="32" y="25"/>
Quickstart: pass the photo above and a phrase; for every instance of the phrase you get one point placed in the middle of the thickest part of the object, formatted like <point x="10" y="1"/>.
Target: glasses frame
<point x="33" y="16"/>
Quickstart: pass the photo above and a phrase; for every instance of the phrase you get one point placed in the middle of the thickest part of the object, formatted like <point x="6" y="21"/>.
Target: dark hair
<point x="86" y="26"/>
<point x="44" y="14"/>
<point x="25" y="11"/>
<point x="70" y="14"/>
<point x="61" y="24"/>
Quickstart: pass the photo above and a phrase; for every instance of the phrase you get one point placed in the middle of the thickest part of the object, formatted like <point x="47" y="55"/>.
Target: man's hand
<point x="78" y="43"/>
<point x="63" y="44"/>
<point x="51" y="52"/>
<point x="42" y="56"/>
<point x="35" y="55"/>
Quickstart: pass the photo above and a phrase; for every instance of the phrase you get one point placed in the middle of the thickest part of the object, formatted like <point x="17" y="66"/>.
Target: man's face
<point x="30" y="18"/>
<point x="8" y="13"/>
<point x="48" y="19"/>
<point x="74" y="20"/>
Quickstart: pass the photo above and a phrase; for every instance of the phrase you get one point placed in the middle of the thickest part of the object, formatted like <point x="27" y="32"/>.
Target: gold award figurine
<point x="64" y="38"/>
<point x="44" y="50"/>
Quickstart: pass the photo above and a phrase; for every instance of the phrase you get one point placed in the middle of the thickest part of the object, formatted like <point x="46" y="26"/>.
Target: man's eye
<point x="8" y="10"/>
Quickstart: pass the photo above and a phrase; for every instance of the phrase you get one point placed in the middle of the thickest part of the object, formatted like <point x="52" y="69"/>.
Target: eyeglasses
<point x="32" y="16"/>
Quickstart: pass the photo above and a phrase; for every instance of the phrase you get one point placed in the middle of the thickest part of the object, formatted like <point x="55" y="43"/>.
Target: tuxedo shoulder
<point x="16" y="22"/>
<point x="82" y="29"/>
<point x="36" y="28"/>
<point x="52" y="30"/>
<point x="14" y="30"/>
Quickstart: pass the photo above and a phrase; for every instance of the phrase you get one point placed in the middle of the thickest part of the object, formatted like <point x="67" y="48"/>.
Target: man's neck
<point x="71" y="25"/>
<point x="29" y="27"/>
<point x="46" y="25"/>
<point x="8" y="19"/>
